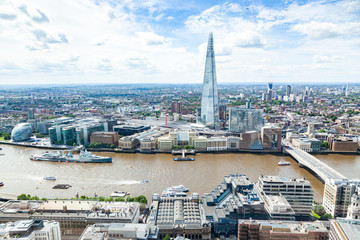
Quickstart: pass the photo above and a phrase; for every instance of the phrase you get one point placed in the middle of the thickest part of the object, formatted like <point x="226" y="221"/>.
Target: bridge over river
<point x="323" y="171"/>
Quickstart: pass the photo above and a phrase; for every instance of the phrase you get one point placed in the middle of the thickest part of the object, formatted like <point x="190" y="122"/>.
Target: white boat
<point x="283" y="163"/>
<point x="49" y="178"/>
<point x="179" y="188"/>
<point x="173" y="194"/>
<point x="118" y="194"/>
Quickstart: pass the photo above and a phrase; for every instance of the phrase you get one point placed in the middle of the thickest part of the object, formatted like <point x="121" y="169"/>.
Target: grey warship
<point x="84" y="157"/>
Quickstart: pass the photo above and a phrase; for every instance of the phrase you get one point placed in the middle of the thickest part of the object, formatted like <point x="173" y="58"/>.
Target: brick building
<point x="104" y="137"/>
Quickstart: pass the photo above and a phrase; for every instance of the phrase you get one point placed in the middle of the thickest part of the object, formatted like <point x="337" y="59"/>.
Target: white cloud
<point x="325" y="59"/>
<point x="323" y="30"/>
<point x="150" y="38"/>
<point x="137" y="41"/>
<point x="246" y="39"/>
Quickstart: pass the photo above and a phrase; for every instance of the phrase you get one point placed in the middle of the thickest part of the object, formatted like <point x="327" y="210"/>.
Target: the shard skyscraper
<point x="210" y="97"/>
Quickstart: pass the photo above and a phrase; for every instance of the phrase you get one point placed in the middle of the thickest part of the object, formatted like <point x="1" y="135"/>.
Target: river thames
<point x="125" y="173"/>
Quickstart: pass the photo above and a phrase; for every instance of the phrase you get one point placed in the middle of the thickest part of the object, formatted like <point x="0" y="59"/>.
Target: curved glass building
<point x="21" y="132"/>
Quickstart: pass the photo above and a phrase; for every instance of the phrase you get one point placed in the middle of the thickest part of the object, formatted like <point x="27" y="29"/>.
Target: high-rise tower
<point x="210" y="97"/>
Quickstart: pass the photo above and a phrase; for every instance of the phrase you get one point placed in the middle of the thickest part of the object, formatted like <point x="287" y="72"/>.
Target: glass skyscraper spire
<point x="210" y="96"/>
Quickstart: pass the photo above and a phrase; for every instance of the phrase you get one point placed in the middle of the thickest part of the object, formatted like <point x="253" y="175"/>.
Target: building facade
<point x="264" y="230"/>
<point x="209" y="115"/>
<point x="271" y="137"/>
<point x="297" y="191"/>
<point x="179" y="216"/>
<point x="344" y="229"/>
<point x="243" y="119"/>
<point x="110" y="138"/>
<point x="30" y="230"/>
<point x="337" y="196"/>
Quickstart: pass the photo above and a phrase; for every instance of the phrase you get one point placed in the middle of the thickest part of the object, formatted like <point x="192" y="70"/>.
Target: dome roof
<point x="21" y="132"/>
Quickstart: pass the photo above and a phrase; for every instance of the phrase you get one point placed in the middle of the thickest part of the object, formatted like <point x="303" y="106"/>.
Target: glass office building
<point x="210" y="97"/>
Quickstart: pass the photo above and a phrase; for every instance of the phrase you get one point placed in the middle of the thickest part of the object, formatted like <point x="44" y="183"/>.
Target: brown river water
<point x="125" y="173"/>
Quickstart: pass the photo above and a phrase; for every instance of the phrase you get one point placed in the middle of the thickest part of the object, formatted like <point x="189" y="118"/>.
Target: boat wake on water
<point x="130" y="182"/>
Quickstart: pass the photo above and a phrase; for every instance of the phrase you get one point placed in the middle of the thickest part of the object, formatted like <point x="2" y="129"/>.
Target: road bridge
<point x="323" y="171"/>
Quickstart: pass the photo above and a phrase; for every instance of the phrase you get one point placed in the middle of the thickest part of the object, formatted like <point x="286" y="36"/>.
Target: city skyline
<point x="162" y="42"/>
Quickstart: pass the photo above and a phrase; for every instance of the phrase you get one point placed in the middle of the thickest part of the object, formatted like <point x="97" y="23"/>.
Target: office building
<point x="30" y="230"/>
<point x="72" y="215"/>
<point x="264" y="230"/>
<point x="109" y="231"/>
<point x="31" y="113"/>
<point x="209" y="113"/>
<point x="307" y="144"/>
<point x="344" y="229"/>
<point x="288" y="90"/>
<point x="269" y="94"/>
<point x="297" y="191"/>
<point x="233" y="143"/>
<point x="216" y="144"/>
<point x="234" y="198"/>
<point x="128" y="143"/>
<point x="45" y="125"/>
<point x="278" y="208"/>
<point x="243" y="120"/>
<point x="250" y="141"/>
<point x="200" y="143"/>
<point x="271" y="137"/>
<point x="76" y="133"/>
<point x="337" y="195"/>
<point x="128" y="130"/>
<point x="344" y="144"/>
<point x="110" y="138"/>
<point x="179" y="216"/>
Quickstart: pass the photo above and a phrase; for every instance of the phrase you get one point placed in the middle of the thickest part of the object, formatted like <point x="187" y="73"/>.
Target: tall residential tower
<point x="210" y="97"/>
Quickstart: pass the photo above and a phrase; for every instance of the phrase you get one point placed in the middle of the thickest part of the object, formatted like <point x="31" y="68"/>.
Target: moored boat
<point x="119" y="194"/>
<point x="179" y="188"/>
<point x="173" y="194"/>
<point x="84" y="157"/>
<point x="1" y="184"/>
<point x="184" y="159"/>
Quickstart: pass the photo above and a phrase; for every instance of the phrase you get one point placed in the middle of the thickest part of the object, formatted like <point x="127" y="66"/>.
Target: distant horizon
<point x="29" y="85"/>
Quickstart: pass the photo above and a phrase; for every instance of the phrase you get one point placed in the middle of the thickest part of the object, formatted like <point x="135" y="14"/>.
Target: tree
<point x="101" y="198"/>
<point x="167" y="237"/>
<point x="321" y="131"/>
<point x="129" y="199"/>
<point x="324" y="144"/>
<point x="140" y="199"/>
<point x="319" y="210"/>
<point x="39" y="135"/>
<point x="7" y="136"/>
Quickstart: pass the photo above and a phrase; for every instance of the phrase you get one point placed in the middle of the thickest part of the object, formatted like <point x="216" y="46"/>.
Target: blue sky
<point x="164" y="41"/>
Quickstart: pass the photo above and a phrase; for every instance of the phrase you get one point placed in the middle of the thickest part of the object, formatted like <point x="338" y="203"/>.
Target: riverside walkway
<point x="321" y="169"/>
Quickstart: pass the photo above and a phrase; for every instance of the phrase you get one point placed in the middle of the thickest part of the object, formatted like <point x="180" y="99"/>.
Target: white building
<point x="337" y="196"/>
<point x="344" y="229"/>
<point x="354" y="207"/>
<point x="297" y="191"/>
<point x="106" y="231"/>
<point x="216" y="144"/>
<point x="30" y="230"/>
